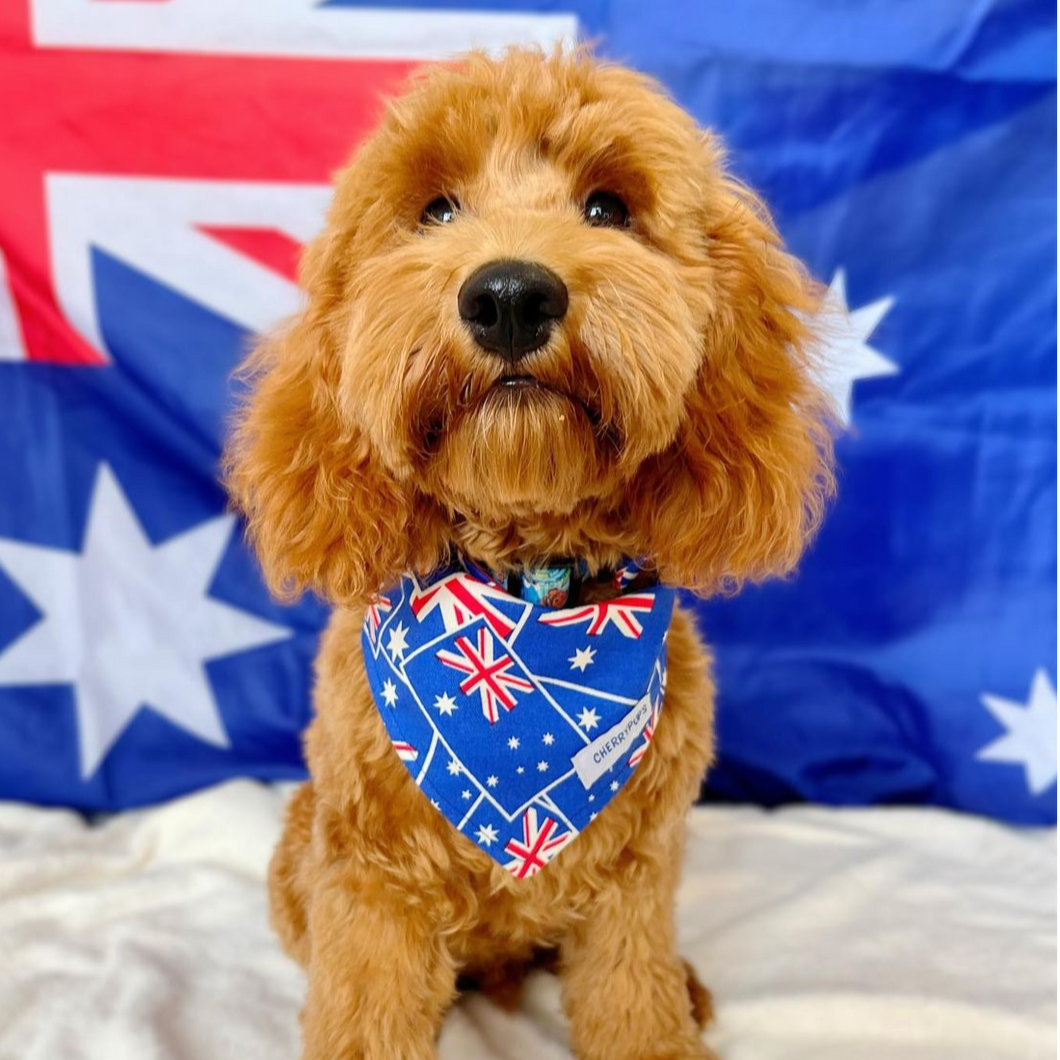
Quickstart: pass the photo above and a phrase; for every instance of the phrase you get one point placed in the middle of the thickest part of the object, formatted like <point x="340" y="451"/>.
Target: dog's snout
<point x="510" y="306"/>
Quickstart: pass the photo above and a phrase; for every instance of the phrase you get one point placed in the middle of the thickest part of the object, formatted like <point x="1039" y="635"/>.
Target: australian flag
<point x="161" y="165"/>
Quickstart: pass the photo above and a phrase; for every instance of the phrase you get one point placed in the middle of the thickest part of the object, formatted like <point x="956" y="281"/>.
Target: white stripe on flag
<point x="291" y="27"/>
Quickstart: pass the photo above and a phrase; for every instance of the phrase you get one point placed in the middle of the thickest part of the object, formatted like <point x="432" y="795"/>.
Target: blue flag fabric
<point x="909" y="154"/>
<point x="520" y="722"/>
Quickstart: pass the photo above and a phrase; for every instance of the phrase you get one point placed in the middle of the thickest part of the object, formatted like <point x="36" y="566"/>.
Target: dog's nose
<point x="510" y="306"/>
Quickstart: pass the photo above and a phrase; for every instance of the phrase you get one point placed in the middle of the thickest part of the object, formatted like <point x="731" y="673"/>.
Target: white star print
<point x="614" y="785"/>
<point x="548" y="739"/>
<point x="128" y="623"/>
<point x="592" y="798"/>
<point x="846" y="355"/>
<point x="519" y="769"/>
<point x="1030" y="737"/>
<point x="445" y="704"/>
<point x="582" y="658"/>
<point x="397" y="645"/>
<point x="513" y="743"/>
<point x="542" y="766"/>
<point x="434" y="803"/>
<point x="465" y="794"/>
<point x="588" y="719"/>
<point x="389" y="692"/>
<point x="453" y="767"/>
<point x="492" y="781"/>
<point x="486" y="834"/>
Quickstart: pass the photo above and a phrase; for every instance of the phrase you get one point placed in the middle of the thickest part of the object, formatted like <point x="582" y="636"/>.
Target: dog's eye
<point x="440" y="211"/>
<point x="604" y="210"/>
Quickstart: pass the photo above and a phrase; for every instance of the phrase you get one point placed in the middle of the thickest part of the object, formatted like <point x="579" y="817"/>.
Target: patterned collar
<point x="520" y="720"/>
<point x="558" y="584"/>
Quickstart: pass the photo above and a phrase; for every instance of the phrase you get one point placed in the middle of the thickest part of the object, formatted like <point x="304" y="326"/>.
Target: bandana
<point x="519" y="721"/>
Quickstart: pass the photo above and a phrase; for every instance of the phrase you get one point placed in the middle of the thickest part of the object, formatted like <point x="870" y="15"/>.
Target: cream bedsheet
<point x="825" y="935"/>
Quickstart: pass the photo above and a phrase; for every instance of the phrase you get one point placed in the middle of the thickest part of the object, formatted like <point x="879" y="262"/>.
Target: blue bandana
<point x="520" y="722"/>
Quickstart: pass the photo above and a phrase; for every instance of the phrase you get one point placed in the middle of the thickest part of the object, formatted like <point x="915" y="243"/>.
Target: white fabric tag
<point x="596" y="758"/>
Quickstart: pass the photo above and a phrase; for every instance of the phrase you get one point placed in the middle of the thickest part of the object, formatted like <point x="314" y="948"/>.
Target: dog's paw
<point x="693" y="1050"/>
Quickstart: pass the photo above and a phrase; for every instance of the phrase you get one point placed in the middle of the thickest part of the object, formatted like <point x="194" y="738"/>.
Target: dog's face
<point x="529" y="288"/>
<point x="541" y="319"/>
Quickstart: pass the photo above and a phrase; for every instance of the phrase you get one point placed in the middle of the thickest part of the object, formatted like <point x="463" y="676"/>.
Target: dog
<point x="542" y="321"/>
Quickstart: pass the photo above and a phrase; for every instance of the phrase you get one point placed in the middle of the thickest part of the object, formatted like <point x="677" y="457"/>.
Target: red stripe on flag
<point x="212" y="117"/>
<point x="268" y="246"/>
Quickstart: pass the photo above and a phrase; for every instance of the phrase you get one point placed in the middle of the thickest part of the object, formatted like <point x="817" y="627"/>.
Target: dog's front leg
<point x="380" y="977"/>
<point x="624" y="987"/>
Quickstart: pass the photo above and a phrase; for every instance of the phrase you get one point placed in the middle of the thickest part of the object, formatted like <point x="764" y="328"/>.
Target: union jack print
<point x="460" y="599"/>
<point x="539" y="845"/>
<point x="648" y="734"/>
<point x="622" y="613"/>
<point x="488" y="675"/>
<point x="379" y="606"/>
<point x="538" y="746"/>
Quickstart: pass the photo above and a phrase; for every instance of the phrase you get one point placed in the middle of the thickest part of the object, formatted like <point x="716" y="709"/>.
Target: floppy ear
<point x="322" y="512"/>
<point x="743" y="487"/>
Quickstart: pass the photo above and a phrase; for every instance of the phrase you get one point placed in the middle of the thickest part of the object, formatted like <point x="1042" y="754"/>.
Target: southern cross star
<point x="846" y="354"/>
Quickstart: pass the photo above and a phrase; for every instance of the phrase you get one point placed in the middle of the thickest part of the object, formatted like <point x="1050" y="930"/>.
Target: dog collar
<point x="559" y="583"/>
<point x="520" y="722"/>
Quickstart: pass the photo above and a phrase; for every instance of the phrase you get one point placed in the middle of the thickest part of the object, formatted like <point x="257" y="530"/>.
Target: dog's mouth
<point x="518" y="385"/>
<point x="528" y="387"/>
<point x="517" y="393"/>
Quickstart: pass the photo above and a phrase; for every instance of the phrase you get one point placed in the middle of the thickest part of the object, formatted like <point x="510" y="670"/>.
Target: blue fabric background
<point x="911" y="144"/>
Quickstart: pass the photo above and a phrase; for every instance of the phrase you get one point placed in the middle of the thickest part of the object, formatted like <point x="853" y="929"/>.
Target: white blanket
<point x="824" y="934"/>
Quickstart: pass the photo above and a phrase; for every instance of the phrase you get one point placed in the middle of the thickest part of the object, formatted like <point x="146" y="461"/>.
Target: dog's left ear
<point x="742" y="489"/>
<point x="322" y="511"/>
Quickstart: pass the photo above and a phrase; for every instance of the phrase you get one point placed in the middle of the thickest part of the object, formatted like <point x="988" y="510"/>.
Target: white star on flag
<point x="453" y="767"/>
<point x="846" y="355"/>
<point x="588" y="719"/>
<point x="389" y="692"/>
<point x="581" y="658"/>
<point x="486" y="834"/>
<point x="397" y="645"/>
<point x="445" y="704"/>
<point x="513" y="743"/>
<point x="548" y="739"/>
<point x="1030" y="737"/>
<point x="128" y="623"/>
<point x="492" y="781"/>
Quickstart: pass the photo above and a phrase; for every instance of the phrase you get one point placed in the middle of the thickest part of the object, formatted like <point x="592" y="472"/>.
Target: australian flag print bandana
<point x="518" y="721"/>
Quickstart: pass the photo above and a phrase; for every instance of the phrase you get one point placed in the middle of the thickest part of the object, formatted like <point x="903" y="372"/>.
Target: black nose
<point x="510" y="306"/>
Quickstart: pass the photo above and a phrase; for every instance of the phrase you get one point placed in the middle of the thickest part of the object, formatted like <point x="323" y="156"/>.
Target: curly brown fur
<point x="676" y="420"/>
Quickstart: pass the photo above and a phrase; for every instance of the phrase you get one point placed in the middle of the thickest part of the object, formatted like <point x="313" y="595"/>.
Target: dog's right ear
<point x="322" y="512"/>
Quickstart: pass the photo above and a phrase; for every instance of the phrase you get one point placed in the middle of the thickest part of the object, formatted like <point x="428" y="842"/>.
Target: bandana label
<point x="597" y="758"/>
<point x="519" y="722"/>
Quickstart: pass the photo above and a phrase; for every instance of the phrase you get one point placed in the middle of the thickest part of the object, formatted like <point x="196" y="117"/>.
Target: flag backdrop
<point x="161" y="162"/>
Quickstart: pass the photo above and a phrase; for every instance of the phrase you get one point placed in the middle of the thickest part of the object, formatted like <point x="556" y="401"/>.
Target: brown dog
<point x="652" y="399"/>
